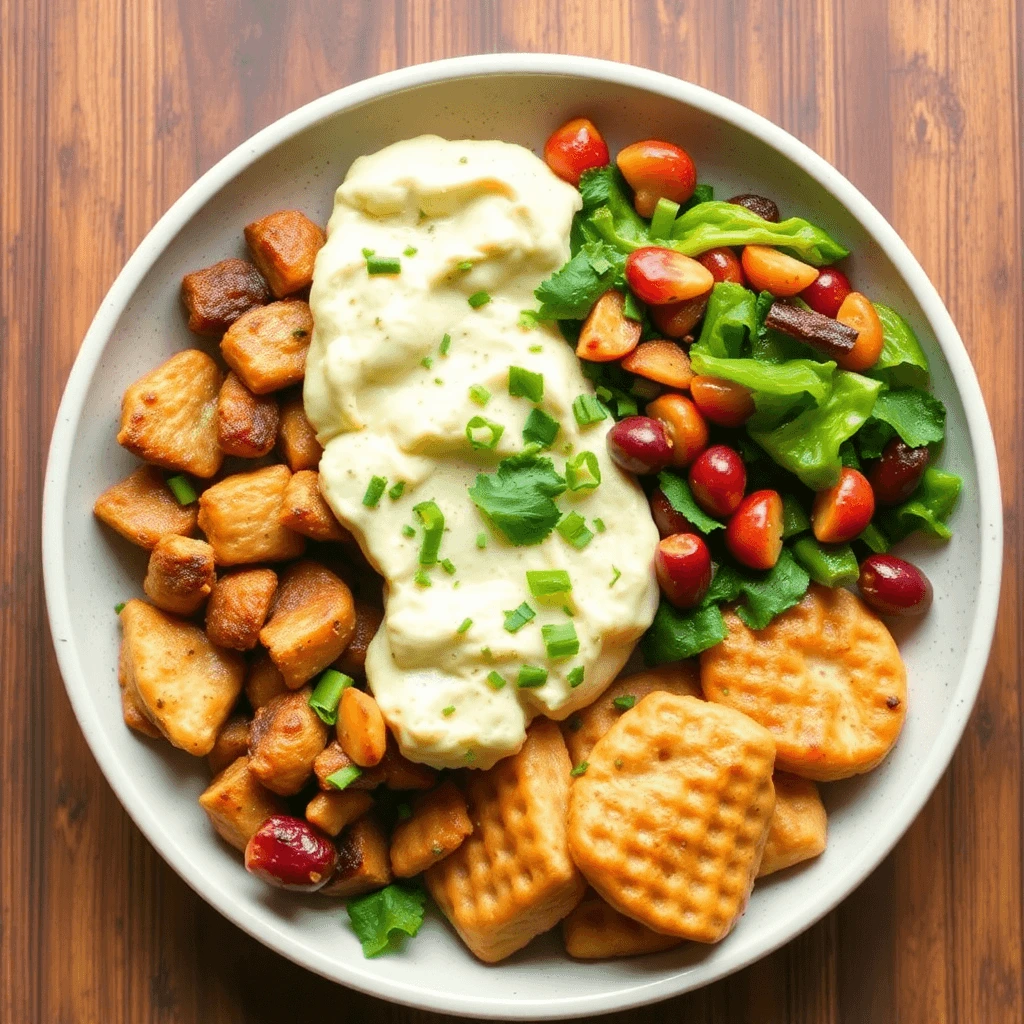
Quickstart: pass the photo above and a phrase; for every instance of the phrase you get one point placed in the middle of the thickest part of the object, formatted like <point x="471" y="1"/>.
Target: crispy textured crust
<point x="799" y="826"/>
<point x="284" y="741"/>
<point x="238" y="607"/>
<point x="825" y="678"/>
<point x="232" y="743"/>
<point x="584" y="728"/>
<point x="439" y="824"/>
<point x="362" y="860"/>
<point x="512" y="879"/>
<point x="353" y="659"/>
<point x="131" y="710"/>
<point x="669" y="821"/>
<point x="267" y="346"/>
<point x="284" y="246"/>
<point x="331" y="812"/>
<point x="142" y="509"/>
<point x="246" y="423"/>
<point x="217" y="296"/>
<point x="168" y="416"/>
<point x="296" y="438"/>
<point x="237" y="804"/>
<point x="181" y="574"/>
<point x="305" y="511"/>
<point x="241" y="517"/>
<point x="185" y="685"/>
<point x="596" y="931"/>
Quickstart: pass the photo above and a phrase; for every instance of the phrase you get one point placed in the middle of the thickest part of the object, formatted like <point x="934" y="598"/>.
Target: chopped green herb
<point x="523" y="383"/>
<point x="383" y="265"/>
<point x="573" y="527"/>
<point x="437" y="849"/>
<point x="378" y="916"/>
<point x="496" y="681"/>
<point x="426" y="362"/>
<point x="575" y="676"/>
<point x="618" y="762"/>
<point x="469" y="756"/>
<point x="528" y="319"/>
<point x="464" y="625"/>
<point x="478" y="299"/>
<point x="438" y="381"/>
<point x="481" y="540"/>
<point x="599" y="525"/>
<point x="664" y="217"/>
<point x="479" y="394"/>
<point x="404" y="811"/>
<point x="540" y="428"/>
<point x="631" y="308"/>
<point x="625" y="702"/>
<point x="397" y="491"/>
<point x="483" y="433"/>
<point x="421" y="579"/>
<point x="327" y="693"/>
<point x="486" y="652"/>
<point x="448" y="711"/>
<point x="410" y="250"/>
<point x="568" y="611"/>
<point x="588" y="409"/>
<point x="616" y="575"/>
<point x="680" y="497"/>
<point x="182" y="489"/>
<point x="446" y="344"/>
<point x="464" y="265"/>
<point x="517" y="499"/>
<point x="432" y="519"/>
<point x="536" y="348"/>
<point x="367" y="253"/>
<point x="531" y="676"/>
<point x="119" y="607"/>
<point x="544" y="582"/>
<point x="448" y="565"/>
<point x="374" y="490"/>
<point x="518" y="617"/>
<point x="580" y="769"/>
<point x="560" y="640"/>
<point x="344" y="777"/>
<point x="408" y="531"/>
<point x="582" y="473"/>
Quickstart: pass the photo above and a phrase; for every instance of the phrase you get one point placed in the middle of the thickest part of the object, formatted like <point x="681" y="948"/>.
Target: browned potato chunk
<point x="238" y="608"/>
<point x="305" y="511"/>
<point x="142" y="509"/>
<point x="264" y="681"/>
<point x="184" y="684"/>
<point x="439" y="823"/>
<point x="237" y="804"/>
<point x="331" y="812"/>
<point x="296" y="438"/>
<point x="284" y="246"/>
<point x="267" y="346"/>
<point x="394" y="771"/>
<point x="285" y="738"/>
<point x="131" y="710"/>
<point x="181" y="574"/>
<point x="312" y="619"/>
<point x="799" y="825"/>
<point x="232" y="743"/>
<point x="241" y="517"/>
<point x="353" y="659"/>
<point x="597" y="931"/>
<point x="332" y="759"/>
<point x="168" y="416"/>
<point x="363" y="863"/>
<point x="217" y="296"/>
<point x="246" y="423"/>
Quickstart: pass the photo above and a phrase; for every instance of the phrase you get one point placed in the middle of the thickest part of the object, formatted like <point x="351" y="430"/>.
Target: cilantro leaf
<point x="779" y="589"/>
<point x="918" y="417"/>
<point x="680" y="497"/>
<point x="595" y="186"/>
<point x="517" y="498"/>
<point x="374" y="918"/>
<point x="570" y="291"/>
<point x="677" y="634"/>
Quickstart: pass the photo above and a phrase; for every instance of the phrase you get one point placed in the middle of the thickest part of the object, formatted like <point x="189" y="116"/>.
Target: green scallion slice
<point x="531" y="676"/>
<point x="544" y="582"/>
<point x="448" y="565"/>
<point x="182" y="489"/>
<point x="582" y="473"/>
<point x="496" y="681"/>
<point x="383" y="265"/>
<point x="481" y="540"/>
<point x="560" y="640"/>
<point x="588" y="409"/>
<point x="408" y="531"/>
<point x="327" y="693"/>
<point x="433" y="529"/>
<point x="523" y="383"/>
<point x="119" y="607"/>
<point x="421" y="579"/>
<point x="580" y="769"/>
<point x="663" y="218"/>
<point x="426" y="362"/>
<point x="446" y="344"/>
<point x="479" y="394"/>
<point x="540" y="428"/>
<point x="483" y="433"/>
<point x="528" y="319"/>
<point x="374" y="490"/>
<point x="464" y="625"/>
<point x="448" y="711"/>
<point x="367" y="253"/>
<point x="411" y="250"/>
<point x="464" y="265"/>
<point x="478" y="299"/>
<point x="616" y="575"/>
<point x="344" y="777"/>
<point x="397" y="491"/>
<point x="625" y="702"/>
<point x="575" y="676"/>
<point x="599" y="525"/>
<point x="573" y="528"/>
<point x="535" y="348"/>
<point x="519" y="617"/>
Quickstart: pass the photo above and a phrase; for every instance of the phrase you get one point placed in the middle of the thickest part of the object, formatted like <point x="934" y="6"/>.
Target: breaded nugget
<point x="512" y="879"/>
<point x="584" y="728"/>
<point x="824" y="678"/>
<point x="597" y="931"/>
<point x="437" y="827"/>
<point x="799" y="826"/>
<point x="669" y="819"/>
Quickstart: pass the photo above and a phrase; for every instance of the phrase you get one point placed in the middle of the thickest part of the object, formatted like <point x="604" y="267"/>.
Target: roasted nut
<point x="360" y="728"/>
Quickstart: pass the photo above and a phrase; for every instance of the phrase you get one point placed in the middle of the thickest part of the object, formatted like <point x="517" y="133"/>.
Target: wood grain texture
<point x="109" y="109"/>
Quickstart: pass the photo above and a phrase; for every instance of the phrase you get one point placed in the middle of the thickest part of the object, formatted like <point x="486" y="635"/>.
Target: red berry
<point x="754" y="533"/>
<point x="683" y="567"/>
<point x="843" y="512"/>
<point x="722" y="401"/>
<point x="639" y="444"/>
<point x="825" y="294"/>
<point x="574" y="148"/>
<point x="289" y="853"/>
<point x="718" y="479"/>
<point x="893" y="586"/>
<point x="895" y="476"/>
<point x="659" y="276"/>
<point x="724" y="265"/>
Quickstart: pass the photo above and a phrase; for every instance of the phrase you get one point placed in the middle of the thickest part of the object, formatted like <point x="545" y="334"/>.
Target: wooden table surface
<point x="110" y="109"/>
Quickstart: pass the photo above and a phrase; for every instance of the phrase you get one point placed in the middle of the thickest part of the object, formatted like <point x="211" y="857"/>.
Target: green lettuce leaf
<point x="677" y="634"/>
<point x="380" y="918"/>
<point x="808" y="445"/>
<point x="917" y="416"/>
<point x="902" y="362"/>
<point x="713" y="224"/>
<point x="928" y="508"/>
<point x="680" y="497"/>
<point x="794" y="377"/>
<point x="608" y="212"/>
<point x="571" y="291"/>
<point x="731" y="316"/>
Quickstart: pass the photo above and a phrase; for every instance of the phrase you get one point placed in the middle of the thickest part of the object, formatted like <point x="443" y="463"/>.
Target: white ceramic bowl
<point x="298" y="162"/>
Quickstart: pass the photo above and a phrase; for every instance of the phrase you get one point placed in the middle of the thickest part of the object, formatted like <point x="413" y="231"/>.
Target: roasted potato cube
<point x="241" y="517"/>
<point x="311" y="621"/>
<point x="596" y="931"/>
<point x="246" y="423"/>
<point x="362" y="860"/>
<point x="142" y="509"/>
<point x="183" y="683"/>
<point x="237" y="804"/>
<point x="284" y="740"/>
<point x="284" y="246"/>
<point x="305" y="511"/>
<point x="232" y="743"/>
<point x="181" y="574"/>
<point x="332" y="759"/>
<point x="267" y="346"/>
<point x="217" y="296"/>
<point x="331" y="812"/>
<point x="238" y="608"/>
<point x="264" y="681"/>
<point x="799" y="825"/>
<point x="168" y="416"/>
<point x="296" y="438"/>
<point x="439" y="824"/>
<point x="400" y="773"/>
<point x="353" y="659"/>
<point x="131" y="710"/>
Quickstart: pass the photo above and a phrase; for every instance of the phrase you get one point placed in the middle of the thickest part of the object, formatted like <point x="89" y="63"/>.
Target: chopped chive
<point x="540" y="428"/>
<point x="327" y="694"/>
<point x="421" y="579"/>
<point x="588" y="409"/>
<point x="519" y="617"/>
<point x="483" y="433"/>
<point x="528" y="319"/>
<point x="496" y="680"/>
<point x="446" y="344"/>
<point x="463" y="159"/>
<point x="486" y="652"/>
<point x="575" y="676"/>
<point x="616" y="574"/>
<point x="664" y="217"/>
<point x="625" y="702"/>
<point x="464" y="625"/>
<point x="573" y="528"/>
<point x="580" y="769"/>
<point x="411" y="250"/>
<point x="374" y="490"/>
<point x="481" y="540"/>
<point x="397" y="491"/>
<point x="182" y="489"/>
<point x="438" y="381"/>
<point x="408" y="531"/>
<point x="618" y="762"/>
<point x="478" y="299"/>
<point x="568" y="611"/>
<point x="464" y="265"/>
<point x="536" y="348"/>
<point x="426" y="362"/>
<point x="599" y="525"/>
<point x="523" y="383"/>
<point x="344" y="777"/>
<point x="470" y="755"/>
<point x="448" y="565"/>
<point x="433" y="528"/>
<point x="531" y="676"/>
<point x="560" y="640"/>
<point x="367" y="253"/>
<point x="543" y="582"/>
<point x="450" y="710"/>
<point x="383" y="265"/>
<point x="583" y="473"/>
<point x="119" y="607"/>
<point x="479" y="394"/>
<point x="404" y="811"/>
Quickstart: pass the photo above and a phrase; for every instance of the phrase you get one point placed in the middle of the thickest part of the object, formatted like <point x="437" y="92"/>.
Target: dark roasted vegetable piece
<point x="820" y="332"/>
<point x="217" y="296"/>
<point x="761" y="205"/>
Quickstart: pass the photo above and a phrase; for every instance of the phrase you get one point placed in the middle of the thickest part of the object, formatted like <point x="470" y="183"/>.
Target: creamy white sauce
<point x="379" y="411"/>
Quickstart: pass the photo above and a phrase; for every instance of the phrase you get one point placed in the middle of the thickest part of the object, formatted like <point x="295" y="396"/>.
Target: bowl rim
<point x="630" y="994"/>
